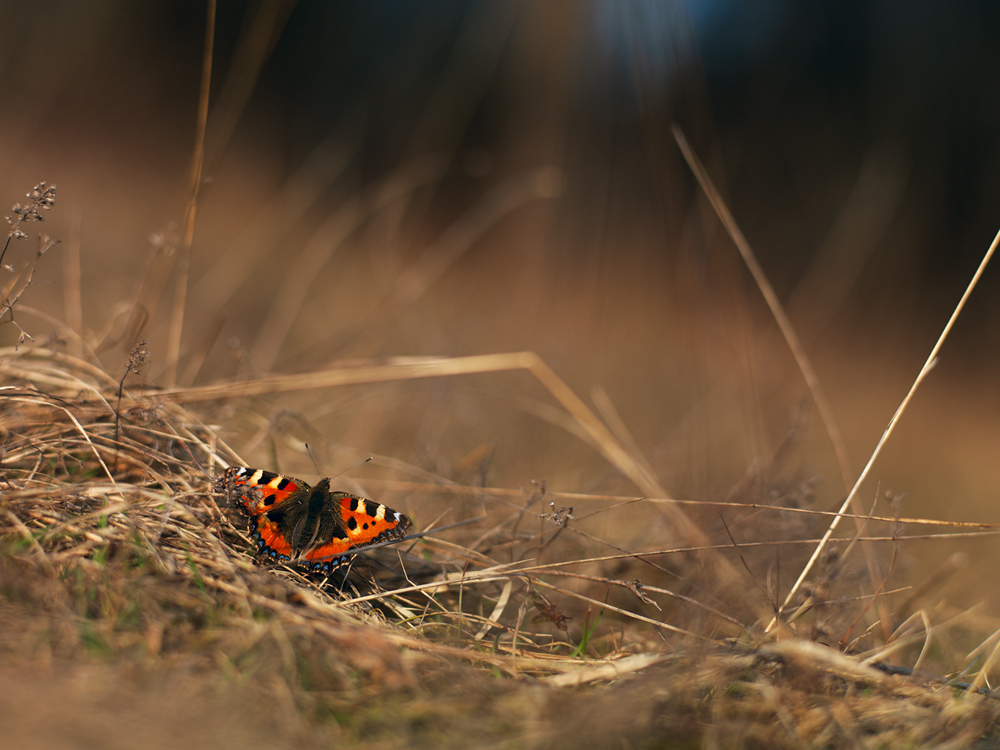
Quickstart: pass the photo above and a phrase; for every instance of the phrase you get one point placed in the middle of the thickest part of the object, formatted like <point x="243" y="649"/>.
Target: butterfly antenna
<point x="313" y="459"/>
<point x="352" y="468"/>
<point x="320" y="471"/>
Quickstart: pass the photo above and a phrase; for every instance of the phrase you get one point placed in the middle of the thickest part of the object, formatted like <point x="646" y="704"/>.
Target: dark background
<point x="787" y="102"/>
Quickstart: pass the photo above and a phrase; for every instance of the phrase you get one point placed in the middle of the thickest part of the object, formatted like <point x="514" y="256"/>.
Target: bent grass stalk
<point x="924" y="371"/>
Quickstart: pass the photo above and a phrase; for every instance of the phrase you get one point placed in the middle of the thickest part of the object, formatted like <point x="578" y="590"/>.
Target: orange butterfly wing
<point x="363" y="523"/>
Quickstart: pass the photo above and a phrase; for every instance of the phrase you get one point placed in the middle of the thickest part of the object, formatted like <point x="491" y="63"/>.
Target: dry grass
<point x="120" y="569"/>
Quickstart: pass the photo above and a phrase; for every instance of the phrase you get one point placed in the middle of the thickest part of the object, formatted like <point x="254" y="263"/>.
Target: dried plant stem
<point x="928" y="365"/>
<point x="197" y="162"/>
<point x="787" y="331"/>
<point x="773" y="303"/>
<point x="9" y="297"/>
<point x="73" y="287"/>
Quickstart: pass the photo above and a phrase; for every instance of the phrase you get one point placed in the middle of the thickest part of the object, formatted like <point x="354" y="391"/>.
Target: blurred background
<point x="388" y="178"/>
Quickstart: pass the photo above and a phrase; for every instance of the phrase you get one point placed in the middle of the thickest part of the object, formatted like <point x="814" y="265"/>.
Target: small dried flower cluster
<point x="42" y="197"/>
<point x="137" y="357"/>
<point x="550" y="612"/>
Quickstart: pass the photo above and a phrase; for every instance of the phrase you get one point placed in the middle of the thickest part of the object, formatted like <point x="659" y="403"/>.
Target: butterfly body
<point x="293" y="521"/>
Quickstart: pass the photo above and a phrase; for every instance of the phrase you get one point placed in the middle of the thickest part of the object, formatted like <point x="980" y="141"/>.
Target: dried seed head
<point x="42" y="197"/>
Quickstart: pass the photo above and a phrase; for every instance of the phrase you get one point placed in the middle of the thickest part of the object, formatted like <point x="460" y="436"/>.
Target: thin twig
<point x="773" y="303"/>
<point x="197" y="163"/>
<point x="784" y="324"/>
<point x="924" y="371"/>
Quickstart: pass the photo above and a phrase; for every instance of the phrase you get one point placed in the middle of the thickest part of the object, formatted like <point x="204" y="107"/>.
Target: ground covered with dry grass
<point x="134" y="613"/>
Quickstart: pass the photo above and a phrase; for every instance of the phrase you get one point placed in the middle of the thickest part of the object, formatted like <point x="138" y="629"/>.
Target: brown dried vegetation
<point x="120" y="570"/>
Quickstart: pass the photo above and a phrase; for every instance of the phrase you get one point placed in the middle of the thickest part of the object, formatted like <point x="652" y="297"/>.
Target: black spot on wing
<point x="276" y="516"/>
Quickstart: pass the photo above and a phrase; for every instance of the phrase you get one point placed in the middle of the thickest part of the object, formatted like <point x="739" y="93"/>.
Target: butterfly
<point x="291" y="521"/>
